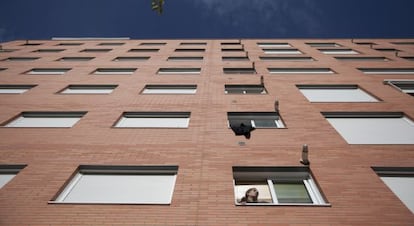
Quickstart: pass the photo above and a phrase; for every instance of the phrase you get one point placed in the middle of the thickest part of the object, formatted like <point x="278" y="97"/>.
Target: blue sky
<point x="43" y="19"/>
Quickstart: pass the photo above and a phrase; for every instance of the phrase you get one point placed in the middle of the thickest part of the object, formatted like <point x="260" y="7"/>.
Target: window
<point x="89" y="89"/>
<point x="372" y="127"/>
<point x="195" y="58"/>
<point x="76" y="58"/>
<point x="335" y="93"/>
<point x="152" y="44"/>
<point x="239" y="71"/>
<point x="258" y="120"/>
<point x="365" y="43"/>
<point x="96" y="50"/>
<point x="273" y="44"/>
<point x="380" y="71"/>
<point x="192" y="43"/>
<point x="154" y="120"/>
<point x="287" y="58"/>
<point x="231" y="43"/>
<point x="232" y="49"/>
<point x="282" y="51"/>
<point x="172" y="71"/>
<point x="15" y="89"/>
<point x="31" y="44"/>
<point x="323" y="44"/>
<point x="7" y="50"/>
<point x="244" y="89"/>
<point x="143" y="50"/>
<point x="300" y="71"/>
<point x="361" y="58"/>
<point x="387" y="49"/>
<point x="338" y="51"/>
<point x="403" y="43"/>
<point x="70" y="44"/>
<point x="405" y="86"/>
<point x="46" y="119"/>
<point x="48" y="71"/>
<point x="135" y="58"/>
<point x="189" y="50"/>
<point x="21" y="58"/>
<point x="49" y="50"/>
<point x="401" y="182"/>
<point x="114" y="71"/>
<point x="8" y="172"/>
<point x="235" y="58"/>
<point x="111" y="44"/>
<point x="2" y="69"/>
<point x="411" y="58"/>
<point x="120" y="185"/>
<point x="170" y="89"/>
<point x="288" y="185"/>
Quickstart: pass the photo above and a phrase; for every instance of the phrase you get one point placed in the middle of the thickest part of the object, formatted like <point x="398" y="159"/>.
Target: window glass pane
<point x="144" y="189"/>
<point x="403" y="187"/>
<point x="265" y="123"/>
<point x="292" y="192"/>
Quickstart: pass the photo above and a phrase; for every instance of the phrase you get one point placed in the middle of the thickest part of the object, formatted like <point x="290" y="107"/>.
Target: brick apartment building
<point x="143" y="132"/>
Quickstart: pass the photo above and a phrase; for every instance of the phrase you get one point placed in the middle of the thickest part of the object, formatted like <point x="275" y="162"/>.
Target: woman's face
<point x="253" y="192"/>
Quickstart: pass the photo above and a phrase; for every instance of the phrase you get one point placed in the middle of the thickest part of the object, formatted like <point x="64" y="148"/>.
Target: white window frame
<point x="253" y="116"/>
<point x="169" y="89"/>
<point x="270" y="175"/>
<point x="389" y="175"/>
<point x="45" y="119"/>
<point x="372" y="127"/>
<point x="283" y="51"/>
<point x="88" y="89"/>
<point x="114" y="71"/>
<point x="335" y="93"/>
<point x="15" y="89"/>
<point x="156" y="178"/>
<point x="8" y="172"/>
<point x="387" y="71"/>
<point x="48" y="71"/>
<point x="154" y="120"/>
<point x="179" y="71"/>
<point x="301" y="71"/>
<point x="338" y="51"/>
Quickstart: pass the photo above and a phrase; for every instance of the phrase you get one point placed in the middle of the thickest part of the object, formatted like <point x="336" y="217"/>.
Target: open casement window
<point x="338" y="51"/>
<point x="15" y="89"/>
<point x="120" y="185"/>
<point x="89" y="89"/>
<point x="114" y="71"/>
<point x="170" y="89"/>
<point x="8" y="172"/>
<point x="245" y="89"/>
<point x="258" y="120"/>
<point x="48" y="71"/>
<point x="154" y="120"/>
<point x="178" y="71"/>
<point x="276" y="186"/>
<point x="401" y="182"/>
<point x="46" y="119"/>
<point x="372" y="127"/>
<point x="335" y="93"/>
<point x="405" y="86"/>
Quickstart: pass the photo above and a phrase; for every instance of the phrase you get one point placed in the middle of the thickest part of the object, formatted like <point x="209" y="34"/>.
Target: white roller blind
<point x="153" y="122"/>
<point x="43" y="122"/>
<point x="337" y="95"/>
<point x="375" y="130"/>
<point x="403" y="187"/>
<point x="140" y="189"/>
<point x="5" y="178"/>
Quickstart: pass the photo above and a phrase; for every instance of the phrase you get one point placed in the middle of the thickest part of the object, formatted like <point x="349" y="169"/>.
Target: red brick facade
<point x="207" y="150"/>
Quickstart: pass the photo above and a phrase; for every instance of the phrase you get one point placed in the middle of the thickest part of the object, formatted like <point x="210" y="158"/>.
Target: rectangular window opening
<point x="114" y="71"/>
<point x="338" y="51"/>
<point x="300" y="71"/>
<point x="89" y="89"/>
<point x="335" y="93"/>
<point x="154" y="120"/>
<point x="8" y="172"/>
<point x="48" y="71"/>
<point x="76" y="58"/>
<point x="282" y="51"/>
<point x="14" y="89"/>
<point x="169" y="89"/>
<point x="45" y="119"/>
<point x="244" y="89"/>
<point x="287" y="58"/>
<point x="273" y="45"/>
<point x="143" y="50"/>
<point x="119" y="185"/>
<point x="189" y="58"/>
<point x="239" y="71"/>
<point x="380" y="71"/>
<point x="172" y="71"/>
<point x="21" y="58"/>
<point x="405" y="86"/>
<point x="258" y="120"/>
<point x="132" y="58"/>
